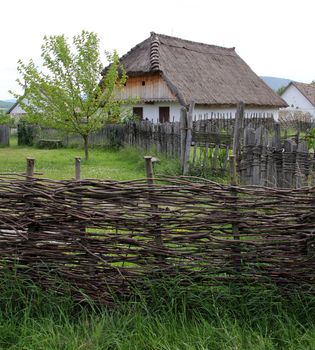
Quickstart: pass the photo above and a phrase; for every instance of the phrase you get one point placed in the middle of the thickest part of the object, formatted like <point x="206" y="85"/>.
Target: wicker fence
<point x="105" y="237"/>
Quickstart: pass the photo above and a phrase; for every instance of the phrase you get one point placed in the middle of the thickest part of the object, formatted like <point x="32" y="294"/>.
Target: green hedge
<point x="26" y="133"/>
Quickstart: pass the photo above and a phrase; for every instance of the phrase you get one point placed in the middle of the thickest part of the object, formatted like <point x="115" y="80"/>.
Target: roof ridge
<point x="306" y="84"/>
<point x="154" y="52"/>
<point x="192" y="42"/>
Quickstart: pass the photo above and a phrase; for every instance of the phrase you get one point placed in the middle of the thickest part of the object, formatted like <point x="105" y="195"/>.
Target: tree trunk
<point x="86" y="146"/>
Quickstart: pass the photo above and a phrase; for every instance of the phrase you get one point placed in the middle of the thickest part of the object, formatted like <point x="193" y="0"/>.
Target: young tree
<point x="68" y="93"/>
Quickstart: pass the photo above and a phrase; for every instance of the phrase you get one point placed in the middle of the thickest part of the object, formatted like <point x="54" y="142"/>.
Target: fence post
<point x="77" y="168"/>
<point x="149" y="169"/>
<point x="238" y="126"/>
<point x="235" y="227"/>
<point x="155" y="217"/>
<point x="233" y="181"/>
<point x="189" y="124"/>
<point x="4" y="135"/>
<point x="32" y="226"/>
<point x="30" y="164"/>
<point x="239" y="121"/>
<point x="183" y="133"/>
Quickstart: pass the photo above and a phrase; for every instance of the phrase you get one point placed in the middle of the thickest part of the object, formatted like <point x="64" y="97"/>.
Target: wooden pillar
<point x="235" y="227"/>
<point x="30" y="165"/>
<point x="77" y="168"/>
<point x="233" y="181"/>
<point x="239" y="121"/>
<point x="30" y="212"/>
<point x="189" y="124"/>
<point x="149" y="169"/>
<point x="155" y="220"/>
<point x="183" y="132"/>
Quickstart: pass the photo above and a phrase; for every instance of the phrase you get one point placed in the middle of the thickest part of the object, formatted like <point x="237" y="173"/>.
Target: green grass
<point x="167" y="317"/>
<point x="123" y="164"/>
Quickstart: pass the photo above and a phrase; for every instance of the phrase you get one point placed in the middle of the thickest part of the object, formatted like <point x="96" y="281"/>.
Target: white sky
<point x="275" y="37"/>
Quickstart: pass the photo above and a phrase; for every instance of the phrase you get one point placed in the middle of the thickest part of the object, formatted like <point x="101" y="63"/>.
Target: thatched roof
<point x="206" y="74"/>
<point x="307" y="90"/>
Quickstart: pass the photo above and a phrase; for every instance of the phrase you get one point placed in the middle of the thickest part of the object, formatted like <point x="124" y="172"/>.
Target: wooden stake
<point x="155" y="217"/>
<point x="239" y="117"/>
<point x="149" y="169"/>
<point x="189" y="124"/>
<point x="233" y="181"/>
<point x="183" y="133"/>
<point x="235" y="227"/>
<point x="77" y="168"/>
<point x="30" y="164"/>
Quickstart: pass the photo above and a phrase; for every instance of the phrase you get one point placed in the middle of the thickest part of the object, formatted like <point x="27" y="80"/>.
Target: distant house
<point x="300" y="96"/>
<point x="16" y="111"/>
<point x="166" y="73"/>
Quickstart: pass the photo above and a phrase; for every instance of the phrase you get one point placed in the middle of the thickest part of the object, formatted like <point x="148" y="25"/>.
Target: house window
<point x="138" y="111"/>
<point x="143" y="83"/>
<point x="164" y="114"/>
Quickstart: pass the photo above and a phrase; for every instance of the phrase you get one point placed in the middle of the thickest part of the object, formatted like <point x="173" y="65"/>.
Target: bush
<point x="26" y="134"/>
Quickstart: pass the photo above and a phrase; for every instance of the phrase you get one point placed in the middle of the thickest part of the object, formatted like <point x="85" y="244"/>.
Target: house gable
<point x="16" y="109"/>
<point x="148" y="88"/>
<point x="295" y="98"/>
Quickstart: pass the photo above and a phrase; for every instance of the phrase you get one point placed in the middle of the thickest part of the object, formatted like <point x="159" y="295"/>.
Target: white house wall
<point x="151" y="111"/>
<point x="295" y="99"/>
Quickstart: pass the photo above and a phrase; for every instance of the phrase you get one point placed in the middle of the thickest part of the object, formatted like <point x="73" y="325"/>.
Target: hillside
<point x="276" y="83"/>
<point x="6" y="105"/>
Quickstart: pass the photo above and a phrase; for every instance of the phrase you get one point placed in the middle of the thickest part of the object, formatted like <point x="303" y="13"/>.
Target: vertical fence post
<point x="155" y="217"/>
<point x="189" y="124"/>
<point x="77" y="168"/>
<point x="30" y="164"/>
<point x="233" y="181"/>
<point x="149" y="169"/>
<point x="235" y="226"/>
<point x="30" y="212"/>
<point x="238" y="126"/>
<point x="183" y="133"/>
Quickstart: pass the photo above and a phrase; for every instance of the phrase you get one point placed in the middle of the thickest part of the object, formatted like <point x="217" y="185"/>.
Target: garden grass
<point x="57" y="164"/>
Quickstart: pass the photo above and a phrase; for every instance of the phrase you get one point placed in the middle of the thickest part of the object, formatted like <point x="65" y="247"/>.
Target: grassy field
<point x="167" y="317"/>
<point x="122" y="164"/>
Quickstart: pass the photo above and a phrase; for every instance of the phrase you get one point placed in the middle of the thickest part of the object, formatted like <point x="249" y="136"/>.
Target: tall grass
<point x="166" y="316"/>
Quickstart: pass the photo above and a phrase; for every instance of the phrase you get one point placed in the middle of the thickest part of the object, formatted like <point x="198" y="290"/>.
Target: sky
<point x="274" y="37"/>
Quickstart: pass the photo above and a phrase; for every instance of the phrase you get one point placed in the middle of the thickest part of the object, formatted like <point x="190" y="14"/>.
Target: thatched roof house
<point x="164" y="70"/>
<point x="300" y="96"/>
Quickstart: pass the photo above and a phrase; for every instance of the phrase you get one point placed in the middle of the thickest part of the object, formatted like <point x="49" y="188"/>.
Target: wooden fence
<point x="4" y="135"/>
<point x="203" y="144"/>
<point x="273" y="161"/>
<point x="106" y="237"/>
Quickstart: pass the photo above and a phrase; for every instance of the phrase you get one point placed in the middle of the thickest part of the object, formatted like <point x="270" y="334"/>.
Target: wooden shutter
<point x="164" y="114"/>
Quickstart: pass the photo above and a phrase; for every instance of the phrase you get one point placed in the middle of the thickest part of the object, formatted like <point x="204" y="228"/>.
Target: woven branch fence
<point x="106" y="237"/>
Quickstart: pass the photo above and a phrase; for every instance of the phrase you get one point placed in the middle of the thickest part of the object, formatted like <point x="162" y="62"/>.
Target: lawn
<point x="57" y="164"/>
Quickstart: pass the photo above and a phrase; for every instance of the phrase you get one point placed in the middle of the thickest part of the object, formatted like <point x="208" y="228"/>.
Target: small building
<point x="16" y="111"/>
<point x="166" y="73"/>
<point x="300" y="96"/>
